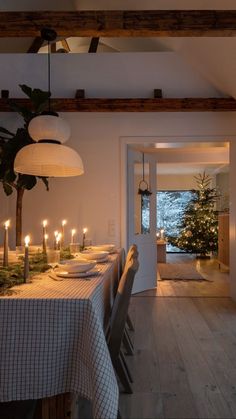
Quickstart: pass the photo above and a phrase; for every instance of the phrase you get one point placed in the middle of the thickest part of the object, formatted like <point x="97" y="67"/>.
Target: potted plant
<point x="11" y="143"/>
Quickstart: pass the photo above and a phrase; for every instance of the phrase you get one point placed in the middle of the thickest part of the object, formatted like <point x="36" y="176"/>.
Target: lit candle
<point x="45" y="223"/>
<point x="5" y="251"/>
<point x="162" y="233"/>
<point x="63" y="223"/>
<point x="55" y="239"/>
<point x="73" y="231"/>
<point x="158" y="235"/>
<point x="84" y="236"/>
<point x="45" y="241"/>
<point x="26" y="261"/>
<point x="58" y="241"/>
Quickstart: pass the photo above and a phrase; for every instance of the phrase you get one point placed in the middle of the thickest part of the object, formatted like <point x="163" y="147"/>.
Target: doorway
<point x="215" y="154"/>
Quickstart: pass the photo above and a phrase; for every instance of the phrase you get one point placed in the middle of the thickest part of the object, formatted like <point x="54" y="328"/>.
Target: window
<point x="170" y="208"/>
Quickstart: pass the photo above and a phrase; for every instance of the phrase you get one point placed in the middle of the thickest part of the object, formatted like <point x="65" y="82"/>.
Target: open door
<point x="142" y="217"/>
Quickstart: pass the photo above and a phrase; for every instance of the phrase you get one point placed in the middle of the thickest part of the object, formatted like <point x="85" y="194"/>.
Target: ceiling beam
<point x="135" y="23"/>
<point x="132" y="105"/>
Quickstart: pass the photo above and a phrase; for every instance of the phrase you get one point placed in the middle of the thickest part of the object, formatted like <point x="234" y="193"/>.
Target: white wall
<point x="176" y="182"/>
<point x="94" y="199"/>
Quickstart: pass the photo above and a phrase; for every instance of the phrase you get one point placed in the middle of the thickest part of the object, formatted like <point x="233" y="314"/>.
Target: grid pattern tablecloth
<point x="52" y="340"/>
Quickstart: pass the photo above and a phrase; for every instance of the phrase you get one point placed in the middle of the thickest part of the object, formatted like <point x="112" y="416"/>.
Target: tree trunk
<point x="20" y="193"/>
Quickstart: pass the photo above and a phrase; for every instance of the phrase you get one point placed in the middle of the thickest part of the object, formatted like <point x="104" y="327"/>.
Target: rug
<point x="179" y="272"/>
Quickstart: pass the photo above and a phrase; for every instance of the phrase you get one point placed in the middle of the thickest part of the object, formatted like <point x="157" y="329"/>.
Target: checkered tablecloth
<point x="52" y="340"/>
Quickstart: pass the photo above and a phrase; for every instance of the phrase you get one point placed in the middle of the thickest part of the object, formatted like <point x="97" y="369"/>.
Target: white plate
<point x="64" y="274"/>
<point x="77" y="266"/>
<point x="102" y="260"/>
<point x="88" y="254"/>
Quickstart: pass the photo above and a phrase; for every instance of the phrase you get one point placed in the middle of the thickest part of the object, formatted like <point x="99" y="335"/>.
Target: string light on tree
<point x="199" y="224"/>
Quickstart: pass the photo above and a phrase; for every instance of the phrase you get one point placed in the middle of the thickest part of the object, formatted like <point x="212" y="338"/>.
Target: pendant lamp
<point x="143" y="189"/>
<point x="48" y="157"/>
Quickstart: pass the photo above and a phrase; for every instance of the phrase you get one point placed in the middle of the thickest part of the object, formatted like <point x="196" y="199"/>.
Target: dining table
<point x="52" y="338"/>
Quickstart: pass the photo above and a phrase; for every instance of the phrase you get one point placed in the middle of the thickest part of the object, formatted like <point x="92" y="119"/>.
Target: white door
<point x="142" y="218"/>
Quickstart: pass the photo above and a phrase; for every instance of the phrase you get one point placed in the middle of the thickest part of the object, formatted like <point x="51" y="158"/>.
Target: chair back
<point x="120" y="306"/>
<point x="132" y="254"/>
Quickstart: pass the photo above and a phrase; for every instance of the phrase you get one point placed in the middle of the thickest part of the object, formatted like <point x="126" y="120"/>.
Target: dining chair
<point x="118" y="320"/>
<point x="132" y="253"/>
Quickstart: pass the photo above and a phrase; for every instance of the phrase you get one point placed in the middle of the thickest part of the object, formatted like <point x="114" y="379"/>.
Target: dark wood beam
<point x="93" y="45"/>
<point x="128" y="23"/>
<point x="36" y="45"/>
<point x="133" y="105"/>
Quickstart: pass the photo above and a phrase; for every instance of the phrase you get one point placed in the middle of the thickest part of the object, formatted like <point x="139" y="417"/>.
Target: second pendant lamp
<point x="48" y="157"/>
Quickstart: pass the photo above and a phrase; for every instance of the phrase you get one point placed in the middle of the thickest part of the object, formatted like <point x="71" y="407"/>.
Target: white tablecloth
<point x="52" y="340"/>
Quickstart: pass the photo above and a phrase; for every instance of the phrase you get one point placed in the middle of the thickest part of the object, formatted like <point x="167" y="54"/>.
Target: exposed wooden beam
<point x="93" y="45"/>
<point x="135" y="23"/>
<point x="65" y="45"/>
<point x="36" y="45"/>
<point x="133" y="105"/>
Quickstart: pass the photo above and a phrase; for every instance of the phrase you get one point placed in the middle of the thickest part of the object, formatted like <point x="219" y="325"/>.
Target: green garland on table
<point x="14" y="273"/>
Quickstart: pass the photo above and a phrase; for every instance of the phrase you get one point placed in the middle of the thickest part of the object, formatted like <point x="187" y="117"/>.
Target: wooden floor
<point x="216" y="286"/>
<point x="185" y="355"/>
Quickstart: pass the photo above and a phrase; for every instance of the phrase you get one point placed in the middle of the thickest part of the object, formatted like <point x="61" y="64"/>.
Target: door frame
<point x="125" y="141"/>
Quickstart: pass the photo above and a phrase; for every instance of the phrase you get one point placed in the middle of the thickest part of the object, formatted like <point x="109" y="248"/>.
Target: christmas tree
<point x="199" y="224"/>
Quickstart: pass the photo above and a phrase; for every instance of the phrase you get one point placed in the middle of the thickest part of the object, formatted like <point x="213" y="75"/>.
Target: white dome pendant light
<point x="48" y="157"/>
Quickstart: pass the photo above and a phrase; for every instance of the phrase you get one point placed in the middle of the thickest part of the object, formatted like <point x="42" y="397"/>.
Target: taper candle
<point x="84" y="236"/>
<point x="5" y="249"/>
<point x="26" y="260"/>
<point x="63" y="223"/>
<point x="45" y="223"/>
<point x="55" y="239"/>
<point x="45" y="241"/>
<point x="73" y="231"/>
<point x="58" y="241"/>
<point x="162" y="233"/>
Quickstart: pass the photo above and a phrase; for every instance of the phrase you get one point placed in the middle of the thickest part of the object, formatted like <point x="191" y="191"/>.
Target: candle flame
<point x="56" y="233"/>
<point x="45" y="223"/>
<point x="85" y="230"/>
<point x="73" y="231"/>
<point x="58" y="237"/>
<point x="162" y="230"/>
<point x="46" y="236"/>
<point x="64" y="222"/>
<point x="7" y="224"/>
<point x="27" y="240"/>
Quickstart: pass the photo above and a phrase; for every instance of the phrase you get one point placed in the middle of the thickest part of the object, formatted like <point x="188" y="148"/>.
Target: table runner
<point x="52" y="340"/>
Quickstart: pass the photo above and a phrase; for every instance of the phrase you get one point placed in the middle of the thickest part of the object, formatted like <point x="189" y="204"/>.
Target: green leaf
<point x="26" y="113"/>
<point x="7" y="189"/>
<point x="26" y="89"/>
<point x="26" y="181"/>
<point x="45" y="181"/>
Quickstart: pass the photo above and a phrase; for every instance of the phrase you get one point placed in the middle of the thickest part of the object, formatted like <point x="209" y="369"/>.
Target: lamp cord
<point x="143" y="166"/>
<point x="49" y="78"/>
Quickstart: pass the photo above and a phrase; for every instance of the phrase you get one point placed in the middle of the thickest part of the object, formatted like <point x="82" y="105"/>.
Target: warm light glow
<point x="45" y="223"/>
<point x="27" y="240"/>
<point x="162" y="230"/>
<point x="63" y="223"/>
<point x="58" y="237"/>
<point x="46" y="236"/>
<point x="73" y="231"/>
<point x="56" y="233"/>
<point x="7" y="224"/>
<point x="85" y="230"/>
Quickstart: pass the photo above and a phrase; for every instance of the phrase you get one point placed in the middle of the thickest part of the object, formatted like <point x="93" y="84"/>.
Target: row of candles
<point x="59" y="236"/>
<point x="58" y="243"/>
